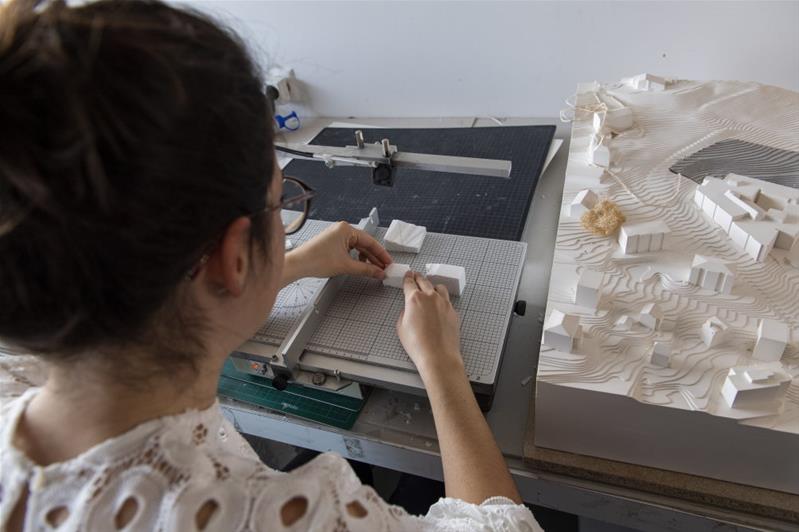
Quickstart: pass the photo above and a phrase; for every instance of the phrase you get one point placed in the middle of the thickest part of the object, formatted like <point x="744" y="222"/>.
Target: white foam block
<point x="452" y="277"/>
<point x="404" y="237"/>
<point x="395" y="274"/>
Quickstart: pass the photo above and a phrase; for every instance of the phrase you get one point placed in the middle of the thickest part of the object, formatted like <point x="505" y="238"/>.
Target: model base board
<point x="613" y="394"/>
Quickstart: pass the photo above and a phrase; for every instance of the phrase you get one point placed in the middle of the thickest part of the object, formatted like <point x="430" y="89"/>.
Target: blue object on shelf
<point x="290" y="121"/>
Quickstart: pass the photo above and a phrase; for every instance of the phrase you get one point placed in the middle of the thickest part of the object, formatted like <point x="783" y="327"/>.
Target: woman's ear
<point x="229" y="263"/>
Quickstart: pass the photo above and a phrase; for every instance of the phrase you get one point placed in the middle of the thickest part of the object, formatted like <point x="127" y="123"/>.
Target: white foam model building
<point x="712" y="274"/>
<point x="582" y="202"/>
<point x="589" y="174"/>
<point x="588" y="290"/>
<point x="755" y="387"/>
<point x="625" y="322"/>
<point x="395" y="274"/>
<point x="647" y="82"/>
<point x="404" y="237"/>
<point x="661" y="353"/>
<point x="651" y="316"/>
<point x="758" y="216"/>
<point x="562" y="331"/>
<point x="772" y="338"/>
<point x="451" y="276"/>
<point x="714" y="332"/>
<point x="598" y="151"/>
<point x="643" y="237"/>
<point x="613" y="120"/>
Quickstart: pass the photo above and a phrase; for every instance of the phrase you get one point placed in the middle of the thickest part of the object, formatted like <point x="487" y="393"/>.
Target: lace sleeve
<point x="326" y="494"/>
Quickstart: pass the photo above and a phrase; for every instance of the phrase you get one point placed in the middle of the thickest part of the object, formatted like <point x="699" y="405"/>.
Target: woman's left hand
<point x="328" y="254"/>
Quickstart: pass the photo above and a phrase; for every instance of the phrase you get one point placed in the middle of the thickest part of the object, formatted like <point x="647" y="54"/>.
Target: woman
<point x="141" y="242"/>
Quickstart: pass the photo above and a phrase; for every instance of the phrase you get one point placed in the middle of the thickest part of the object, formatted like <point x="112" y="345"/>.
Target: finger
<point x="365" y="269"/>
<point x="424" y="285"/>
<point x="409" y="285"/>
<point x="442" y="291"/>
<point x="399" y="320"/>
<point x="365" y="255"/>
<point x="364" y="242"/>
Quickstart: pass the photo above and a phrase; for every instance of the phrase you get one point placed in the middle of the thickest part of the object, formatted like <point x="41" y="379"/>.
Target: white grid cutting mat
<point x="361" y="323"/>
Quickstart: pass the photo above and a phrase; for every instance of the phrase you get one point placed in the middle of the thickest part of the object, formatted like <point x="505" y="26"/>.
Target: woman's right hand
<point x="428" y="328"/>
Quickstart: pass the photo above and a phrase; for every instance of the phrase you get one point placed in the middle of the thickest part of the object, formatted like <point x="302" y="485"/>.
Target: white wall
<point x="507" y="58"/>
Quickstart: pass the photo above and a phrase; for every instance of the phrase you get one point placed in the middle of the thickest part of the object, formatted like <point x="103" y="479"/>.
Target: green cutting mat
<point x="308" y="403"/>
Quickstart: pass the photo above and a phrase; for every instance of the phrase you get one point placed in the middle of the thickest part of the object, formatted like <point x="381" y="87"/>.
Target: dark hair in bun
<point x="131" y="134"/>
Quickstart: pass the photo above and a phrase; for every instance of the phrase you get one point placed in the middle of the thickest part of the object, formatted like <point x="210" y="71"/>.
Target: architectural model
<point x="642" y="237"/>
<point x="395" y="274"/>
<point x="647" y="82"/>
<point x="598" y="151"/>
<point x="700" y="289"/>
<point x="757" y="215"/>
<point x="651" y="316"/>
<point x="451" y="276"/>
<point x="772" y="338"/>
<point x="614" y="120"/>
<point x="753" y="387"/>
<point x="582" y="202"/>
<point x="562" y="331"/>
<point x="661" y="353"/>
<point x="714" y="332"/>
<point x="588" y="290"/>
<point x="404" y="237"/>
<point x="712" y="274"/>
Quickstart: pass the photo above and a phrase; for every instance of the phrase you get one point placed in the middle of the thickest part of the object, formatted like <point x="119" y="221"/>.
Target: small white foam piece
<point x="613" y="120"/>
<point x="753" y="387"/>
<point x="289" y="245"/>
<point x="712" y="274"/>
<point x="651" y="316"/>
<point x="714" y="332"/>
<point x="582" y="202"/>
<point x="642" y="237"/>
<point x="588" y="289"/>
<point x="647" y="82"/>
<point x="772" y="338"/>
<point x="661" y="353"/>
<point x="593" y="175"/>
<point x="625" y="322"/>
<point x="404" y="237"/>
<point x="561" y="331"/>
<point x="451" y="276"/>
<point x="395" y="274"/>
<point x="599" y="156"/>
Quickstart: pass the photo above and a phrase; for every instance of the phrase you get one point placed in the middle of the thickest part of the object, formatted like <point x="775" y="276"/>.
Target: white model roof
<point x="712" y="265"/>
<point x="645" y="228"/>
<point x="562" y="323"/>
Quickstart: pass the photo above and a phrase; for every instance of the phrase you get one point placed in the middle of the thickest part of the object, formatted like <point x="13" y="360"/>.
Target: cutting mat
<point x="360" y="324"/>
<point x="458" y="204"/>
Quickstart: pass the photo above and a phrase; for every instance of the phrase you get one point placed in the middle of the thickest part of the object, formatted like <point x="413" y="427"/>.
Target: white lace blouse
<point x="169" y="468"/>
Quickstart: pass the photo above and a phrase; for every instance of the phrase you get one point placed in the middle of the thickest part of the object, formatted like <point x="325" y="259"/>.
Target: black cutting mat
<point x="458" y="204"/>
<point x="742" y="158"/>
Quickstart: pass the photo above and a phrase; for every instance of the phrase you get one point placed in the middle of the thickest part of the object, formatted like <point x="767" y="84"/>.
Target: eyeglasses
<point x="295" y="205"/>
